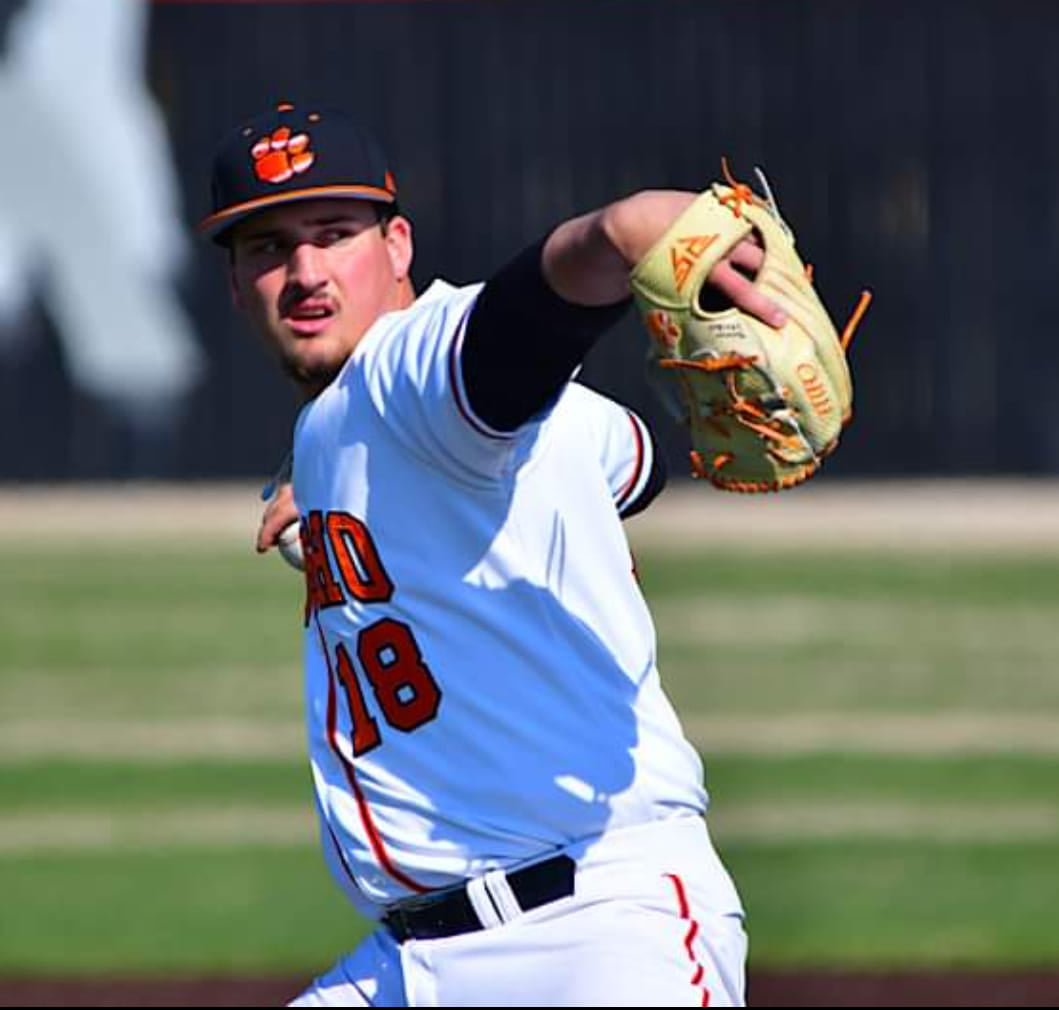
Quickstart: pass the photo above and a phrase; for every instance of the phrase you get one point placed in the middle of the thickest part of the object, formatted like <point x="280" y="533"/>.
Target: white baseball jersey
<point x="481" y="682"/>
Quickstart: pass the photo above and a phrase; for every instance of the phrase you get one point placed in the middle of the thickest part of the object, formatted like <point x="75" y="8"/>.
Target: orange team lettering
<point x="321" y="589"/>
<point x="685" y="253"/>
<point x="359" y="562"/>
<point x="814" y="389"/>
<point x="360" y="568"/>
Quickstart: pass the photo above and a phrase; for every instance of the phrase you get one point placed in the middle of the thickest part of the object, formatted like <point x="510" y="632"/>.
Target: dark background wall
<point x="913" y="146"/>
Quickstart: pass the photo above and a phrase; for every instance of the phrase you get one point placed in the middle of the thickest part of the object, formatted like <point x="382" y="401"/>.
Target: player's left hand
<point x="765" y="393"/>
<point x="733" y="279"/>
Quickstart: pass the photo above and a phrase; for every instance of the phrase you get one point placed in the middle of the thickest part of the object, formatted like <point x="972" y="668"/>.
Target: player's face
<point x="313" y="276"/>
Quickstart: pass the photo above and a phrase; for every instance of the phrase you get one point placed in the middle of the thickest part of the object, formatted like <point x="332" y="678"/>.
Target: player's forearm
<point x="587" y="259"/>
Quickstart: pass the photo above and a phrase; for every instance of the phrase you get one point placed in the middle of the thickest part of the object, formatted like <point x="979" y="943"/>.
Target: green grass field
<point x="881" y="740"/>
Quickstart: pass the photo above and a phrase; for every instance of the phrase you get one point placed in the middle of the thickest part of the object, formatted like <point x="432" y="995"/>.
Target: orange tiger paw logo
<point x="280" y="156"/>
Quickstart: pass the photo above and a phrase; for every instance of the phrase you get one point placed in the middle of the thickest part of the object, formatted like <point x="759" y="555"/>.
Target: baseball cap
<point x="291" y="154"/>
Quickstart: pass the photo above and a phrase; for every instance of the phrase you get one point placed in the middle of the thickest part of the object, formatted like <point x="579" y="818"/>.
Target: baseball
<point x="290" y="545"/>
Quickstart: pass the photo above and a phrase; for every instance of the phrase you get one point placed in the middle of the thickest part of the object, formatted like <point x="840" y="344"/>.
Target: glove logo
<point x="280" y="156"/>
<point x="814" y="389"/>
<point x="685" y="253"/>
<point x="661" y="326"/>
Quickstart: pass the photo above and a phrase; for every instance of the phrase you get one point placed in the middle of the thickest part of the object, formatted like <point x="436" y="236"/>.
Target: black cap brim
<point x="216" y="226"/>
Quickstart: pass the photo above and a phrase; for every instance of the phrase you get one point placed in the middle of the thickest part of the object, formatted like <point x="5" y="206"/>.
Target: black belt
<point x="449" y="912"/>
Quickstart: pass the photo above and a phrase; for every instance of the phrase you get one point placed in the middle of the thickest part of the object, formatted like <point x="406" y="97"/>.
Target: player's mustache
<point x="297" y="296"/>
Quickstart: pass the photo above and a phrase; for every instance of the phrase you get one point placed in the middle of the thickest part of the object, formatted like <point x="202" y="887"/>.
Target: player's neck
<point x="405" y="295"/>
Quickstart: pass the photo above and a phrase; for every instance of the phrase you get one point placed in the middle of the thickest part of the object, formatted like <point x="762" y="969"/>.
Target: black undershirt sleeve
<point x="656" y="481"/>
<point x="524" y="341"/>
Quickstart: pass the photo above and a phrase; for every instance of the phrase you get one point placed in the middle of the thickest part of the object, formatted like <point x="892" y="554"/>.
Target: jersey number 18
<point x="387" y="652"/>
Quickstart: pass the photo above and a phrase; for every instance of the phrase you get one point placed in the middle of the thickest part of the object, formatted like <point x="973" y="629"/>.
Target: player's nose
<point x="305" y="266"/>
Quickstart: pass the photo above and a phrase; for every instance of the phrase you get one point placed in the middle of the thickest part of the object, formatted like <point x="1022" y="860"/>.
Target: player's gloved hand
<point x="765" y="394"/>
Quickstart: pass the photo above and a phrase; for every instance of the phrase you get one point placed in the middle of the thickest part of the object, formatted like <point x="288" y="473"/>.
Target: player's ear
<point x="399" y="245"/>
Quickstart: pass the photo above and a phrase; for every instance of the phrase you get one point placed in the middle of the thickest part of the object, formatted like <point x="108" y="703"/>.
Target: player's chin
<point x="313" y="370"/>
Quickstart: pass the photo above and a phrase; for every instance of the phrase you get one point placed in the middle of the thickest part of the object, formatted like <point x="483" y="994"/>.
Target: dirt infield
<point x="773" y="989"/>
<point x="1009" y="516"/>
<point x="1017" y="516"/>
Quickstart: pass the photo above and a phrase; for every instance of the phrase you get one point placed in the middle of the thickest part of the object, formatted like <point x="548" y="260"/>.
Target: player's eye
<point x="270" y="246"/>
<point x="333" y="235"/>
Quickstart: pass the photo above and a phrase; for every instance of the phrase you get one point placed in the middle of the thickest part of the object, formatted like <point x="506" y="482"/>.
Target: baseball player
<point x="501" y="782"/>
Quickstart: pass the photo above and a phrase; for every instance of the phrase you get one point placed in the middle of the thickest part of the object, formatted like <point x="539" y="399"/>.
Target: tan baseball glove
<point x="764" y="406"/>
